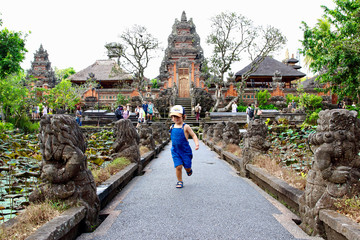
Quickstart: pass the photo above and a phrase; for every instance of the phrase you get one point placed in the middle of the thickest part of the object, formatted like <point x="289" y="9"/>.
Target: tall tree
<point x="12" y="53"/>
<point x="134" y="52"/>
<point x="64" y="73"/>
<point x="232" y="36"/>
<point x="333" y="48"/>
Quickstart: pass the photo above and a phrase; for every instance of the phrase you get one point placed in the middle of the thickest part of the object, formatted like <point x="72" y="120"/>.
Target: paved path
<point x="215" y="203"/>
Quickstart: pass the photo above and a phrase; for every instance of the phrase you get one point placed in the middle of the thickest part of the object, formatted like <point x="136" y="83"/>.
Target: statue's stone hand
<point x="340" y="174"/>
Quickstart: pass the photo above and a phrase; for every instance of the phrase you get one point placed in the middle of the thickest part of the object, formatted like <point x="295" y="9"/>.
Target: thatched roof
<point x="311" y="83"/>
<point x="268" y="68"/>
<point x="103" y="70"/>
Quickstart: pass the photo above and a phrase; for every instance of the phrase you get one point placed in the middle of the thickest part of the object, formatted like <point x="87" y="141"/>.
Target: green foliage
<point x="122" y="100"/>
<point x="268" y="107"/>
<point x="241" y="108"/>
<point x="6" y="126"/>
<point x="64" y="73"/>
<point x="310" y="101"/>
<point x="311" y="119"/>
<point x="263" y="97"/>
<point x="334" y="50"/>
<point x="13" y="95"/>
<point x="23" y="122"/>
<point x="283" y="121"/>
<point x="63" y="96"/>
<point x="12" y="52"/>
<point x="155" y="83"/>
<point x="290" y="97"/>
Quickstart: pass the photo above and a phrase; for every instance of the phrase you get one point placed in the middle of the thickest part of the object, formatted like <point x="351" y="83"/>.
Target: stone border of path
<point x="69" y="224"/>
<point x="337" y="226"/>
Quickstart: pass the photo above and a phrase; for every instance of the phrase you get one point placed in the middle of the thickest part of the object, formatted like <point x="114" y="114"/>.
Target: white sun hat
<point x="177" y="110"/>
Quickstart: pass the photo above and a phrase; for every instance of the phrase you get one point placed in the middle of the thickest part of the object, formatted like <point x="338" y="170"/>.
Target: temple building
<point x="110" y="77"/>
<point x="263" y="76"/>
<point x="181" y="65"/>
<point x="41" y="70"/>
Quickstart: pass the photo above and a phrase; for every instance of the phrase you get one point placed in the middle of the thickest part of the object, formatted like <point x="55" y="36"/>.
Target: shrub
<point x="310" y="101"/>
<point x="268" y="106"/>
<point x="311" y="119"/>
<point x="291" y="97"/>
<point x="283" y="121"/>
<point x="263" y="97"/>
<point x="24" y="123"/>
<point x="6" y="126"/>
<point x="155" y="83"/>
<point x="241" y="108"/>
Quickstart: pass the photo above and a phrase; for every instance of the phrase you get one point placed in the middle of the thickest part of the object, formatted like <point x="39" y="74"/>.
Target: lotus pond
<point x="20" y="160"/>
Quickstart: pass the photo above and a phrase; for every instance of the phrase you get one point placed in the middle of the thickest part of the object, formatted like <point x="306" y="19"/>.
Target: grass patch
<point x="32" y="218"/>
<point x="103" y="174"/>
<point x="349" y="207"/>
<point x="144" y="150"/>
<point x="274" y="168"/>
<point x="234" y="149"/>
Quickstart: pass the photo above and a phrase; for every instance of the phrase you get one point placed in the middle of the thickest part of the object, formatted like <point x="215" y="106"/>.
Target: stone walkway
<point x="215" y="203"/>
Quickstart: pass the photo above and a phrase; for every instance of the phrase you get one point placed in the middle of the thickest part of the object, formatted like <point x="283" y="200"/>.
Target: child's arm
<point x="193" y="135"/>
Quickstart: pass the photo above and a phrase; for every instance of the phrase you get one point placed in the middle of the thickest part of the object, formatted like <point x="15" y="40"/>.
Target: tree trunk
<point x="2" y="114"/>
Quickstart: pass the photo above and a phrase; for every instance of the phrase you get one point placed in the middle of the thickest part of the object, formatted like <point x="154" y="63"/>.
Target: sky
<point x="74" y="32"/>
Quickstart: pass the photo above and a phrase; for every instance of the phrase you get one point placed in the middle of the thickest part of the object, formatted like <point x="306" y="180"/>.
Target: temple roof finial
<point x="183" y="17"/>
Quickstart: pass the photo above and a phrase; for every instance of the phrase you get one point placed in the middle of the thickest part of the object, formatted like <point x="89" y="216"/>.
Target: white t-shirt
<point x="233" y="107"/>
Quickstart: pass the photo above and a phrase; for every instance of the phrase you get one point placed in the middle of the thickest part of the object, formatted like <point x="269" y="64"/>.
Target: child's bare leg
<point x="179" y="172"/>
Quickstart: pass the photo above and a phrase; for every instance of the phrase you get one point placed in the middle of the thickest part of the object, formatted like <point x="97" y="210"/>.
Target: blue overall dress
<point x="181" y="151"/>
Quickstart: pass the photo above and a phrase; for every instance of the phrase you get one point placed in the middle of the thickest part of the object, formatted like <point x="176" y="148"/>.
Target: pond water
<point x="20" y="160"/>
<point x="19" y="168"/>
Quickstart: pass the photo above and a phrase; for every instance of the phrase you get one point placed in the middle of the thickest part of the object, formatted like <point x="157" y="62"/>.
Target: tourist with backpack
<point x="257" y="112"/>
<point x="249" y="113"/>
<point x="197" y="112"/>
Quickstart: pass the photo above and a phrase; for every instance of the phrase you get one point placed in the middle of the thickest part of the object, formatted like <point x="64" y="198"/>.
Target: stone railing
<point x="340" y="128"/>
<point x="337" y="226"/>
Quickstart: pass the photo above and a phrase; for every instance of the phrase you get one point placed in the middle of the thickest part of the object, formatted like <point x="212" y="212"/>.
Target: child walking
<point x="181" y="151"/>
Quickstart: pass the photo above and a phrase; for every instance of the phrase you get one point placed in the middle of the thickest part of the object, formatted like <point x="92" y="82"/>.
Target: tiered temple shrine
<point x="41" y="70"/>
<point x="183" y="58"/>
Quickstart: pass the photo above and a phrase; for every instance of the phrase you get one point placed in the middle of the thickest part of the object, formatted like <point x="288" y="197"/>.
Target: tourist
<point x="257" y="111"/>
<point x="44" y="111"/>
<point x="293" y="104"/>
<point x="150" y="111"/>
<point x="119" y="112"/>
<point x="249" y="113"/>
<point x="137" y="110"/>
<point x="141" y="117"/>
<point x="339" y="105"/>
<point x="181" y="151"/>
<point x="234" y="107"/>
<point x="145" y="108"/>
<point x="126" y="113"/>
<point x="197" y="112"/>
<point x="37" y="114"/>
<point x="78" y="115"/>
<point x="353" y="104"/>
<point x="33" y="115"/>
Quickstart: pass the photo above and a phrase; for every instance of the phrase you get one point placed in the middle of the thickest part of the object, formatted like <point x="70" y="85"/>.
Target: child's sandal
<point x="189" y="173"/>
<point x="179" y="184"/>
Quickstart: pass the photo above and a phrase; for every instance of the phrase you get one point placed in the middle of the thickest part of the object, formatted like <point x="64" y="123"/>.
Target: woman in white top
<point x="234" y="107"/>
